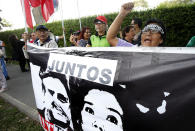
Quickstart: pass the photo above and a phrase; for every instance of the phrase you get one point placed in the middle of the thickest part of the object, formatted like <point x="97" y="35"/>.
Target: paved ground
<point x="20" y="91"/>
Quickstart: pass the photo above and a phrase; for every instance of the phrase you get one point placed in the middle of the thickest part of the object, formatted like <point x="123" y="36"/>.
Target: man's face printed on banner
<point x="101" y="112"/>
<point x="56" y="102"/>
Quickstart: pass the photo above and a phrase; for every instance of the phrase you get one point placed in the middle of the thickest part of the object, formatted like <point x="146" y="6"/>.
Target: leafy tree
<point x="141" y="4"/>
<point x="185" y="2"/>
<point x="3" y="22"/>
<point x="174" y="3"/>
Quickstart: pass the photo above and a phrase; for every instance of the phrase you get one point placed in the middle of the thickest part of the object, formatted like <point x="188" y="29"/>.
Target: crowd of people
<point x="153" y="34"/>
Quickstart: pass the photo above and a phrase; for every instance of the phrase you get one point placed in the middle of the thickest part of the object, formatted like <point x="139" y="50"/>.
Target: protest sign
<point x="114" y="89"/>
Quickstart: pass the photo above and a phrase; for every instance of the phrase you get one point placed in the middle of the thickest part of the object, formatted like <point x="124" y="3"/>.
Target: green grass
<point x="12" y="119"/>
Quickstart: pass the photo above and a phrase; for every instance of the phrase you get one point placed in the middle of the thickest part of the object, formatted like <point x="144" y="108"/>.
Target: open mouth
<point x="147" y="41"/>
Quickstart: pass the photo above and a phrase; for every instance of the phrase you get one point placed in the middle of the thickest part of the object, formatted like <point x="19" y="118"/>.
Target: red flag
<point x="28" y="13"/>
<point x="35" y="3"/>
<point x="47" y="9"/>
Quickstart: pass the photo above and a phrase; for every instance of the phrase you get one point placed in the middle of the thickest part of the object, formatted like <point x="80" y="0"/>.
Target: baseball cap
<point x="41" y="27"/>
<point x="100" y="19"/>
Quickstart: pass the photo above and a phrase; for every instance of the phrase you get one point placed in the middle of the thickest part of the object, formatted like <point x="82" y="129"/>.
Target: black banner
<point x="114" y="89"/>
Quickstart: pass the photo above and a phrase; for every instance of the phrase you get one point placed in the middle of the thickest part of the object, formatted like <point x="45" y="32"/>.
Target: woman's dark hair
<point x="126" y="30"/>
<point x="138" y="21"/>
<point x="83" y="32"/>
<point x="12" y="39"/>
<point x="58" y="76"/>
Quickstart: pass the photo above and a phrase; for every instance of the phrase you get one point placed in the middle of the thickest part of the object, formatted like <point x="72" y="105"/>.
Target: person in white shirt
<point x="43" y="38"/>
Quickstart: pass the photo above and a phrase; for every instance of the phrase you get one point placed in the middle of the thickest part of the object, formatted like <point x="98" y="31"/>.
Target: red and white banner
<point x="28" y="14"/>
<point x="35" y="3"/>
<point x="47" y="9"/>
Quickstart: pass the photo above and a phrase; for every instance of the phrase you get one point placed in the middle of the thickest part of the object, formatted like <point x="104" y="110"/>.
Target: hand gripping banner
<point x="114" y="89"/>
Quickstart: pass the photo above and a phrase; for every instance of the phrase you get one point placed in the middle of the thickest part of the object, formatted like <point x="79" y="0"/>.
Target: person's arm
<point x="115" y="26"/>
<point x="61" y="37"/>
<point x="1" y="53"/>
<point x="3" y="44"/>
<point x="72" y="40"/>
<point x="52" y="44"/>
<point x="21" y="44"/>
<point x="26" y="37"/>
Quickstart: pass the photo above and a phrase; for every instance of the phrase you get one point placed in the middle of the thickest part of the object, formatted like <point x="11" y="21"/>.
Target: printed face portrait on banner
<point x="101" y="111"/>
<point x="98" y="107"/>
<point x="56" y="100"/>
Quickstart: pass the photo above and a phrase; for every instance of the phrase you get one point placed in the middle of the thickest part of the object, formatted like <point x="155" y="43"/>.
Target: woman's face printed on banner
<point x="57" y="103"/>
<point x="101" y="112"/>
